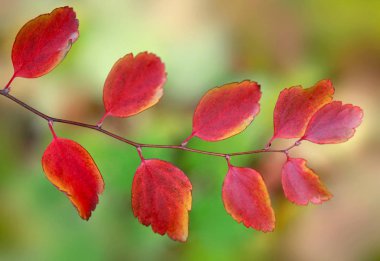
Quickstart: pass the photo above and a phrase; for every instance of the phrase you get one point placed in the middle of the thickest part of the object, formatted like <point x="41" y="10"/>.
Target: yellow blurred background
<point x="203" y="44"/>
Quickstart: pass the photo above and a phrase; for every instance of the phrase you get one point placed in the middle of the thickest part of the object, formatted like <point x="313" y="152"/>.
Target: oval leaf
<point x="226" y="111"/>
<point x="301" y="185"/>
<point x="246" y="199"/>
<point x="161" y="197"/>
<point x="295" y="106"/>
<point x="43" y="42"/>
<point x="72" y="170"/>
<point x="134" y="84"/>
<point x="334" y="123"/>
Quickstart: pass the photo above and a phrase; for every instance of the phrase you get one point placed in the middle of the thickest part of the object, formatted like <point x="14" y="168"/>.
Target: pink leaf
<point x="246" y="199"/>
<point x="301" y="185"/>
<point x="333" y="123"/>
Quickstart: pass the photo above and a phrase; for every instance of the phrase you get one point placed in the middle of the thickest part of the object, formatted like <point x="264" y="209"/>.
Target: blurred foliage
<point x="204" y="44"/>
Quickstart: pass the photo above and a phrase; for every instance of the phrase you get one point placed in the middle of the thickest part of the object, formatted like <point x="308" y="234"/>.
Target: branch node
<point x="286" y="152"/>
<point x="228" y="159"/>
<point x="5" y="91"/>
<point x="100" y="122"/>
<point x="7" y="88"/>
<point x="139" y="151"/>
<point x="184" y="143"/>
<point x="269" y="144"/>
<point x="50" y="123"/>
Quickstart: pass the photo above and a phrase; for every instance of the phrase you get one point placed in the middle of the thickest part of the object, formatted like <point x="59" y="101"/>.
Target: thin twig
<point x="5" y="93"/>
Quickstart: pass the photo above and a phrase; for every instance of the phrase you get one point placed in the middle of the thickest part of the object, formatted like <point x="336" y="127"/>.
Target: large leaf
<point x="333" y="123"/>
<point x="161" y="197"/>
<point x="301" y="185"/>
<point x="43" y="42"/>
<point x="72" y="170"/>
<point x="133" y="85"/>
<point x="226" y="111"/>
<point x="246" y="199"/>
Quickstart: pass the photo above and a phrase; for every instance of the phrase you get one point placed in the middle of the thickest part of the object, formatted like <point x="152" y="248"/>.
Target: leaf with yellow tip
<point x="161" y="197"/>
<point x="134" y="84"/>
<point x="73" y="171"/>
<point x="301" y="185"/>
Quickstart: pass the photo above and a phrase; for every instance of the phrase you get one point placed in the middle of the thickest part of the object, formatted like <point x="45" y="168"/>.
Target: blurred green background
<point x="203" y="44"/>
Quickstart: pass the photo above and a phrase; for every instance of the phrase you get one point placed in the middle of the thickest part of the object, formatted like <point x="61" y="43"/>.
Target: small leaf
<point x="246" y="199"/>
<point x="301" y="185"/>
<point x="161" y="197"/>
<point x="296" y="105"/>
<point x="72" y="170"/>
<point x="43" y="42"/>
<point x="333" y="123"/>
<point x="134" y="84"/>
<point x="226" y="111"/>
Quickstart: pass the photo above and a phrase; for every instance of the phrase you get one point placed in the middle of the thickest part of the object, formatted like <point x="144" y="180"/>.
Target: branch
<point x="98" y="128"/>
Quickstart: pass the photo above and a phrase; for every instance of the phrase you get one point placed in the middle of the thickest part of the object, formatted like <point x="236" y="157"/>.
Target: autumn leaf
<point x="72" y="170"/>
<point x="333" y="123"/>
<point x="226" y="111"/>
<point x="133" y="85"/>
<point x="301" y="185"/>
<point x="246" y="199"/>
<point x="43" y="42"/>
<point x="161" y="197"/>
<point x="295" y="106"/>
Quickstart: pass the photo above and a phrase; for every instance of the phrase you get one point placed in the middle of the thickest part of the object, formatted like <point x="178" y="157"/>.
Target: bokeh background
<point x="203" y="44"/>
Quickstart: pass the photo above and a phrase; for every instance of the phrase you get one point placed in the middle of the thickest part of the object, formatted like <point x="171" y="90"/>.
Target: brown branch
<point x="5" y="93"/>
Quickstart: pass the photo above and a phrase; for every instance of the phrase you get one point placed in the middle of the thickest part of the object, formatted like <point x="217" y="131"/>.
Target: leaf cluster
<point x="161" y="192"/>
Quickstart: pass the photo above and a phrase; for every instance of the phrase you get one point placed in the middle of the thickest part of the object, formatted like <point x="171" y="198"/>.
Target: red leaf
<point x="226" y="111"/>
<point x="301" y="185"/>
<point x="333" y="123"/>
<point x="161" y="197"/>
<point x="246" y="199"/>
<point x="134" y="84"/>
<point x="72" y="170"/>
<point x="296" y="105"/>
<point x="43" y="42"/>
